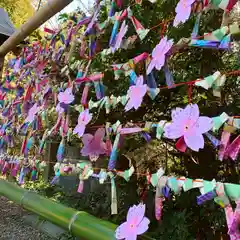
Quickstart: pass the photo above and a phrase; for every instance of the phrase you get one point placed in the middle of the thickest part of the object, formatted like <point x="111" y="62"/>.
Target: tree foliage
<point x="19" y="10"/>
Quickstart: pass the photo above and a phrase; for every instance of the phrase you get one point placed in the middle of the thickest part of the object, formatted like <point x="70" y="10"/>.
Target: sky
<point x="82" y="4"/>
<point x="72" y="6"/>
<point x="78" y="3"/>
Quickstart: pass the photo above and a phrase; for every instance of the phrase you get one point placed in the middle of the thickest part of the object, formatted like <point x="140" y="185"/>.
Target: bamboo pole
<point x="1" y="67"/>
<point x="45" y="13"/>
<point x="79" y="223"/>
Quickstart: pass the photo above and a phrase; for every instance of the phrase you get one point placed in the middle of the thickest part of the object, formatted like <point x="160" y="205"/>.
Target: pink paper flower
<point x="66" y="97"/>
<point x="94" y="145"/>
<point x="120" y="35"/>
<point x="59" y="109"/>
<point x="183" y="11"/>
<point x="187" y="123"/>
<point x="84" y="118"/>
<point x="136" y="223"/>
<point x="158" y="54"/>
<point x="136" y="94"/>
<point x="32" y="113"/>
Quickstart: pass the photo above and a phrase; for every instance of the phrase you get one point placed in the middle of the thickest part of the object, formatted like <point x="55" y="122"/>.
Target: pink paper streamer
<point x="233" y="149"/>
<point x="90" y="78"/>
<point x="141" y="57"/>
<point x="224" y="143"/>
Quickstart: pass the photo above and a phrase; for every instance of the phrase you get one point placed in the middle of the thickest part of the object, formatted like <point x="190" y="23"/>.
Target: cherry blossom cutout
<point x="136" y="223"/>
<point x="64" y="98"/>
<point x="158" y="54"/>
<point x="135" y="94"/>
<point x="94" y="146"/>
<point x="188" y="124"/>
<point x="32" y="113"/>
<point x="84" y="118"/>
<point x="183" y="11"/>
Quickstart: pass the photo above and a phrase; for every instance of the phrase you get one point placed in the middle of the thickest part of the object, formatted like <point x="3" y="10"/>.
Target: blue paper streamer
<point x="133" y="77"/>
<point x="151" y="82"/>
<point x="60" y="151"/>
<point x="168" y="77"/>
<point x="114" y="33"/>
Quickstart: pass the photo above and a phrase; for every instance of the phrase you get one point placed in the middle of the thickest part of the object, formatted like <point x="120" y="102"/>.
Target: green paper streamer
<point x="128" y="173"/>
<point x="232" y="191"/>
<point x="208" y="186"/>
<point x="154" y="179"/>
<point x="236" y="123"/>
<point x="219" y="121"/>
<point x="188" y="184"/>
<point x="160" y="129"/>
<point x="173" y="184"/>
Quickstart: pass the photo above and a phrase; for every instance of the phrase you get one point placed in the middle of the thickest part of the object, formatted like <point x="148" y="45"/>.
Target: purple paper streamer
<point x="206" y="197"/>
<point x="5" y="168"/>
<point x="92" y="48"/>
<point x="69" y="37"/>
<point x="54" y="180"/>
<point x="166" y="191"/>
<point x="83" y="22"/>
<point x="146" y="136"/>
<point x="15" y="170"/>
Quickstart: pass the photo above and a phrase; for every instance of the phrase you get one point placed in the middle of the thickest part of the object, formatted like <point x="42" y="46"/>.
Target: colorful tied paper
<point x="119" y="37"/>
<point x="215" y="81"/>
<point x="141" y="31"/>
